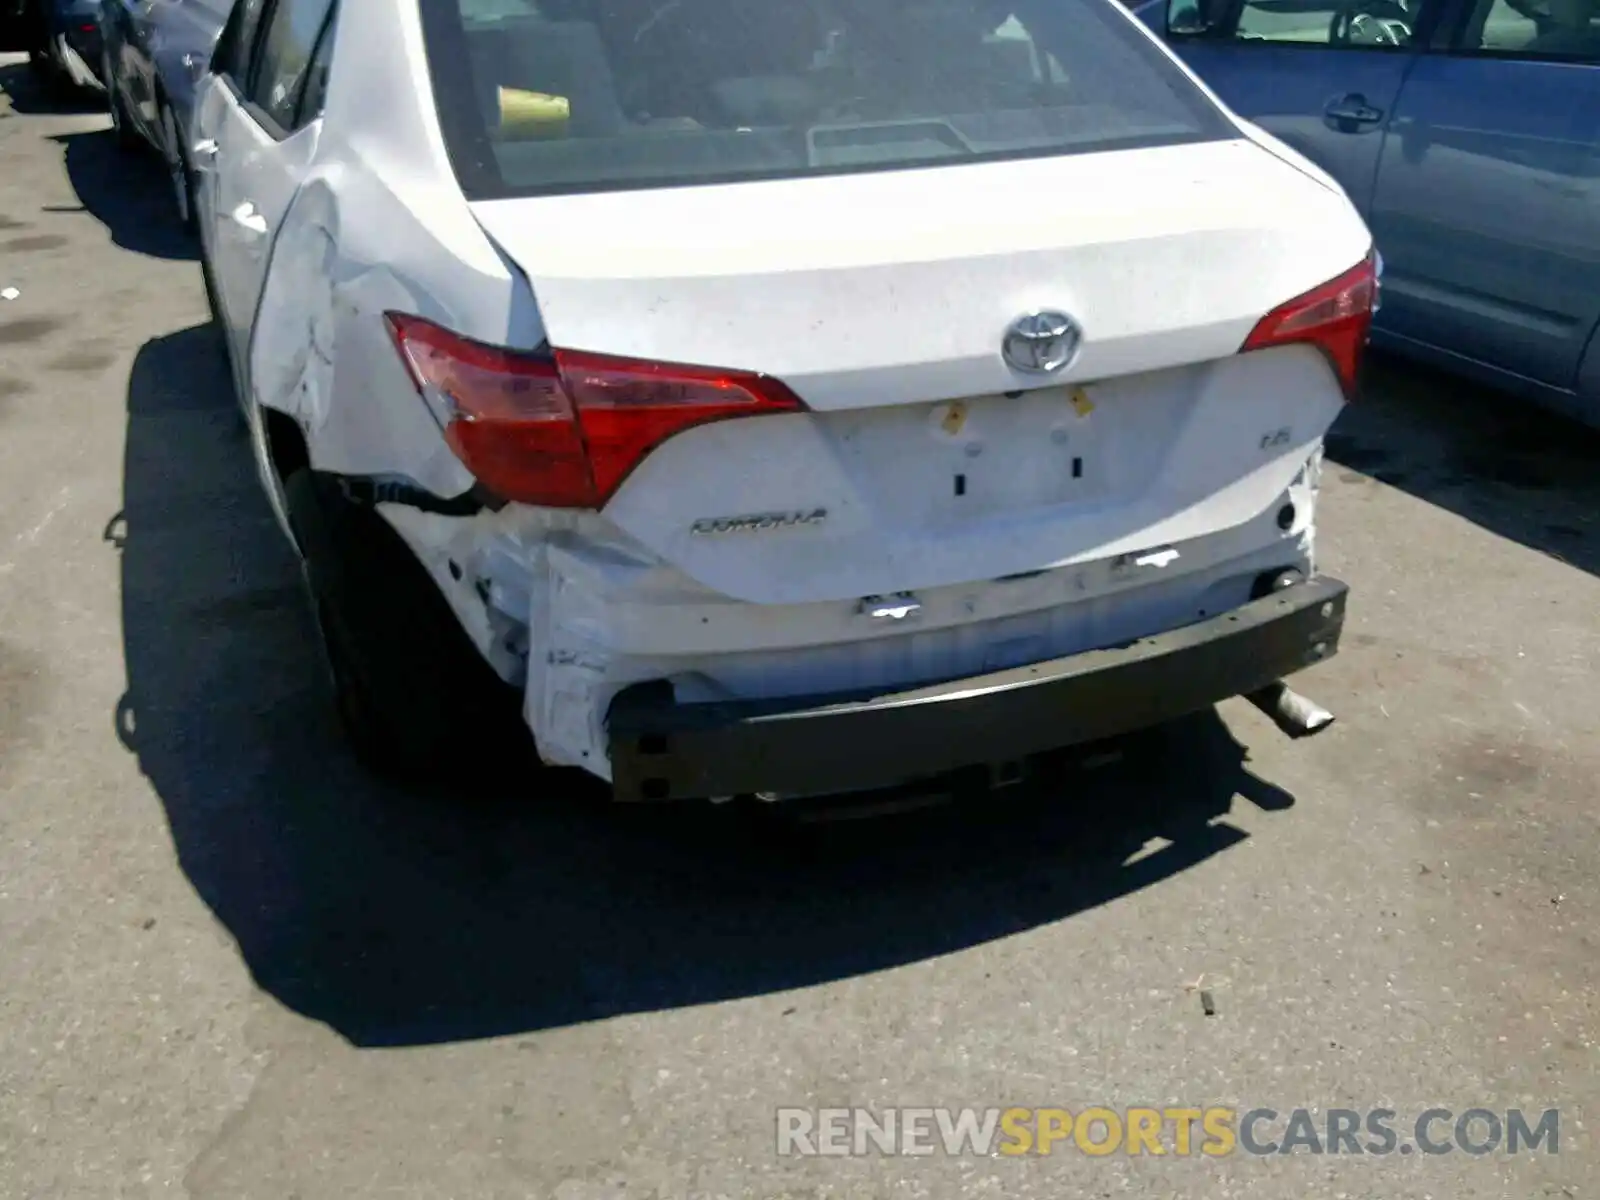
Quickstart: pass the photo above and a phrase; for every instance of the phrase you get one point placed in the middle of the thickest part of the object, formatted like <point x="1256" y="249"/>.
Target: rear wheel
<point x="416" y="699"/>
<point x="121" y="125"/>
<point x="180" y="178"/>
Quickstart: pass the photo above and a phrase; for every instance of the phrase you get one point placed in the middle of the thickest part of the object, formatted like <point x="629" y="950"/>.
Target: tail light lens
<point x="1334" y="317"/>
<point x="564" y="428"/>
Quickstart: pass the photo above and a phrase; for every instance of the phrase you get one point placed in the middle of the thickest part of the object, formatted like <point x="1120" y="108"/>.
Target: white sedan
<point x="775" y="399"/>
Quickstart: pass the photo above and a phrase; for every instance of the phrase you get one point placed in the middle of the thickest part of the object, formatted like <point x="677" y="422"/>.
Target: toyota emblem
<point x="1041" y="343"/>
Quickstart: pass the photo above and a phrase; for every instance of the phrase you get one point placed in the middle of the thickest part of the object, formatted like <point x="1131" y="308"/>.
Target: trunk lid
<point x="882" y="300"/>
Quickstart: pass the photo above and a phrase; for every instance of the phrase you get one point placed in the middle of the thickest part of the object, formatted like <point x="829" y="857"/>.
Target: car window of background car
<point x="287" y="44"/>
<point x="571" y="95"/>
<point x="1551" y="29"/>
<point x="232" y="55"/>
<point x="1368" y="24"/>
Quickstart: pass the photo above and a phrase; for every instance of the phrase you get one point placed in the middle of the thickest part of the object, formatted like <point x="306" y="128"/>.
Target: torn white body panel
<point x="321" y="353"/>
<point x="574" y="611"/>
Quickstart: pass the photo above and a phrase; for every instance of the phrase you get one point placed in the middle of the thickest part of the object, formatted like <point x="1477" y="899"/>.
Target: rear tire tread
<point x="417" y="700"/>
<point x="128" y="139"/>
<point x="185" y="215"/>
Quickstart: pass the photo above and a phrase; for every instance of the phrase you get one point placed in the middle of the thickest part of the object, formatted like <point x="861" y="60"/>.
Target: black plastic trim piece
<point x="663" y="750"/>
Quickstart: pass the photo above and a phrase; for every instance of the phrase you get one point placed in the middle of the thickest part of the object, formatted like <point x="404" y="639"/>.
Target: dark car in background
<point x="61" y="38"/>
<point x="155" y="52"/>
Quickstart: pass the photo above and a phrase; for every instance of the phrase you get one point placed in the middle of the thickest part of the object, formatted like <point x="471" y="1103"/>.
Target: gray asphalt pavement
<point x="233" y="967"/>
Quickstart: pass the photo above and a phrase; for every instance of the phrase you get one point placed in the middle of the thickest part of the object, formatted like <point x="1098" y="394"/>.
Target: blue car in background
<point x="61" y="38"/>
<point x="155" y="53"/>
<point x="1468" y="133"/>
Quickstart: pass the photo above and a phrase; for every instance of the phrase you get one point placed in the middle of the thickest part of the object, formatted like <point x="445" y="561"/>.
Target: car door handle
<point x="1352" y="110"/>
<point x="248" y="219"/>
<point x="203" y="155"/>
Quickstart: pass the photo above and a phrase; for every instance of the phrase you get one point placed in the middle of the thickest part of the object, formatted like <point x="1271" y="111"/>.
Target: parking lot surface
<point x="233" y="966"/>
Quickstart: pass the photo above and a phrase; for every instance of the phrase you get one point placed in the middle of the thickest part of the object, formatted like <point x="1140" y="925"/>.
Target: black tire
<point x="417" y="701"/>
<point x="128" y="139"/>
<point x="180" y="178"/>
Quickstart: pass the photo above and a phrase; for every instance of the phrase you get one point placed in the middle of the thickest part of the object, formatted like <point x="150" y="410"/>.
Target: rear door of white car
<point x="261" y="114"/>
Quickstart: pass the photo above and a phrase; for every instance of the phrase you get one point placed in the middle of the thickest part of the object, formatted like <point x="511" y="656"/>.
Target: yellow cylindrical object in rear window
<point x="530" y="116"/>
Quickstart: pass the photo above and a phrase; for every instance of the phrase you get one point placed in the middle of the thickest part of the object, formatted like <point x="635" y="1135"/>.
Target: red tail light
<point x="1334" y="317"/>
<point x="563" y="429"/>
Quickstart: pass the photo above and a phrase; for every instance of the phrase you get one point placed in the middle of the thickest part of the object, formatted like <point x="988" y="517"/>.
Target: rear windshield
<point x="551" y="96"/>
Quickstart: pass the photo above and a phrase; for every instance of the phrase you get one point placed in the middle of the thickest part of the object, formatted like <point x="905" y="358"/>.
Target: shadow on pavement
<point x="402" y="919"/>
<point x="32" y="94"/>
<point x="126" y="191"/>
<point x="1500" y="462"/>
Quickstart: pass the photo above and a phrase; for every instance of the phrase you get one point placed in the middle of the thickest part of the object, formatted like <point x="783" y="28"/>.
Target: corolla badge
<point x="1041" y="343"/>
<point x="758" y="522"/>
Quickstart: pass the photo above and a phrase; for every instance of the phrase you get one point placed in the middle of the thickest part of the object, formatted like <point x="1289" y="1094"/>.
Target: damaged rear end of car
<point x="822" y="446"/>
